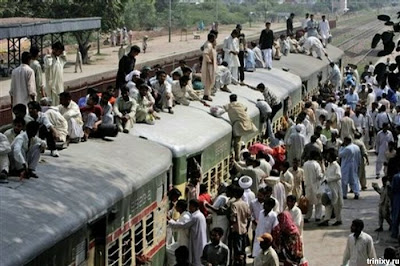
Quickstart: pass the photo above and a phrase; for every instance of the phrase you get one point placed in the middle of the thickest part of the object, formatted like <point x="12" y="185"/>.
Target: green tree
<point x="109" y="10"/>
<point x="140" y="14"/>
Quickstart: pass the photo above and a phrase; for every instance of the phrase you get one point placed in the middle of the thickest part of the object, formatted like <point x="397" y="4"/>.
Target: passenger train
<point x="107" y="203"/>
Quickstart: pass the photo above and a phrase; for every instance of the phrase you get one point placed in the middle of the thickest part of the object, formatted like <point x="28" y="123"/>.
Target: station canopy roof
<point x="20" y="27"/>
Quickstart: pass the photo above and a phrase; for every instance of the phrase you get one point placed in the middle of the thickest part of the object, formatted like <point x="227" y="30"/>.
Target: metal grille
<point x="113" y="253"/>
<point x="150" y="229"/>
<point x="139" y="238"/>
<point x="127" y="248"/>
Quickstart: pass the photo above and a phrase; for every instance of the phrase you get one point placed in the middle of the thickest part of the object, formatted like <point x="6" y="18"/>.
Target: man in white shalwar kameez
<point x="350" y="156"/>
<point x="335" y="77"/>
<point x="23" y="86"/>
<point x="324" y="30"/>
<point x="54" y="66"/>
<point x="359" y="247"/>
<point x="295" y="145"/>
<point x="314" y="44"/>
<point x="37" y="69"/>
<point x="56" y="118"/>
<point x="197" y="231"/>
<point x="183" y="235"/>
<point x="257" y="55"/>
<point x="71" y="112"/>
<point x="381" y="146"/>
<point x="25" y="151"/>
<point x="231" y="52"/>
<point x="5" y="149"/>
<point x="223" y="77"/>
<point x="267" y="220"/>
<point x="312" y="181"/>
<point x="219" y="218"/>
<point x="333" y="178"/>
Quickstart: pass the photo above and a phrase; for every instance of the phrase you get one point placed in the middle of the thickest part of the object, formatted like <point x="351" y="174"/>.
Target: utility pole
<point x="216" y="10"/>
<point x="170" y="22"/>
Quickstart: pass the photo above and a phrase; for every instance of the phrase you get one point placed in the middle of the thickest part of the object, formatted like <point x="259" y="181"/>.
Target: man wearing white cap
<point x="132" y="78"/>
<point x="246" y="182"/>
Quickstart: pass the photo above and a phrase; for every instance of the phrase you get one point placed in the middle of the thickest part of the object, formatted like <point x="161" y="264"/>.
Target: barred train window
<point x="113" y="253"/>
<point x="127" y="248"/>
<point x="150" y="229"/>
<point x="139" y="238"/>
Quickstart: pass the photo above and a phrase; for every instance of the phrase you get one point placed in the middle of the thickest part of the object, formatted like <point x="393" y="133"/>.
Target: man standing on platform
<point x="324" y="30"/>
<point x="350" y="156"/>
<point x="360" y="246"/>
<point x="54" y="66"/>
<point x="125" y="66"/>
<point x="266" y="42"/>
<point x="23" y="88"/>
<point x="37" y="68"/>
<point x="289" y="25"/>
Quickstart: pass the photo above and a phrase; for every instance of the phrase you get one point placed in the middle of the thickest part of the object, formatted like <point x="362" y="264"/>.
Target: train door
<point x="97" y="244"/>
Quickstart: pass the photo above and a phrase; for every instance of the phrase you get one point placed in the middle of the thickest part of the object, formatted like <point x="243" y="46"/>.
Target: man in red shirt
<point x="91" y="115"/>
<point x="204" y="197"/>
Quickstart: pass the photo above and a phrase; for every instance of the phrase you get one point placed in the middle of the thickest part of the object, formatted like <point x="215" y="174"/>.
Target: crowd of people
<point x="275" y="188"/>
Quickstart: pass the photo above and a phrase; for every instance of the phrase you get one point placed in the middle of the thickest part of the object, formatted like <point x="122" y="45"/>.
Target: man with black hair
<point x="266" y="41"/>
<point x="216" y="253"/>
<point x="162" y="91"/>
<point x="23" y="87"/>
<point x="240" y="120"/>
<point x="240" y="216"/>
<point x="125" y="66"/>
<point x="91" y="116"/>
<point x="350" y="159"/>
<point x="18" y="127"/>
<point x="312" y="181"/>
<point x="266" y="222"/>
<point x="182" y="92"/>
<point x="71" y="112"/>
<point x="46" y="128"/>
<point x="37" y="69"/>
<point x="25" y="151"/>
<point x="289" y="25"/>
<point x="360" y="245"/>
<point x="54" y="66"/>
<point x="125" y="111"/>
<point x="197" y="231"/>
<point x="184" y="216"/>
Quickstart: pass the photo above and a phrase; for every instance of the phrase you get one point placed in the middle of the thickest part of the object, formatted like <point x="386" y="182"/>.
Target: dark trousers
<point x="238" y="244"/>
<point x="241" y="68"/>
<point x="44" y="133"/>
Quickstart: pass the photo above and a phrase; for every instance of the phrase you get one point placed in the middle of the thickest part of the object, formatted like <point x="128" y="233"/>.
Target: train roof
<point x="71" y="190"/>
<point x="279" y="82"/>
<point x="188" y="131"/>
<point x="305" y="66"/>
<point x="192" y="128"/>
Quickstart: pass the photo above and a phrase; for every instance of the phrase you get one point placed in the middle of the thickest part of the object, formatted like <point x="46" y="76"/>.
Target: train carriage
<point x="106" y="204"/>
<point x="311" y="70"/>
<point x="191" y="133"/>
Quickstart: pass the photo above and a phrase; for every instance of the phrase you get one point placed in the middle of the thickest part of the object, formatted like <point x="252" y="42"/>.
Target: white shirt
<point x="20" y="146"/>
<point x="23" y="85"/>
<point x="265" y="225"/>
<point x="324" y="29"/>
<point x="359" y="250"/>
<point x="162" y="88"/>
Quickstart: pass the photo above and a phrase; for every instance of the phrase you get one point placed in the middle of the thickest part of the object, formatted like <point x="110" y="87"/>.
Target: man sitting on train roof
<point x="145" y="106"/>
<point x="71" y="112"/>
<point x="25" y="151"/>
<point x="163" y="92"/>
<point x="5" y="149"/>
<point x="47" y="130"/>
<point x="91" y="114"/>
<point x="125" y="111"/>
<point x="240" y="120"/>
<point x="18" y="127"/>
<point x="58" y="121"/>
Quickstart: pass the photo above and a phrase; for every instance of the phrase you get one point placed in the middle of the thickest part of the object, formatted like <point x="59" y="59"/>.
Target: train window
<point x="127" y="248"/>
<point x="139" y="238"/>
<point x="81" y="252"/>
<point x="113" y="253"/>
<point x="304" y="88"/>
<point x="213" y="184"/>
<point x="193" y="166"/>
<point x="150" y="229"/>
